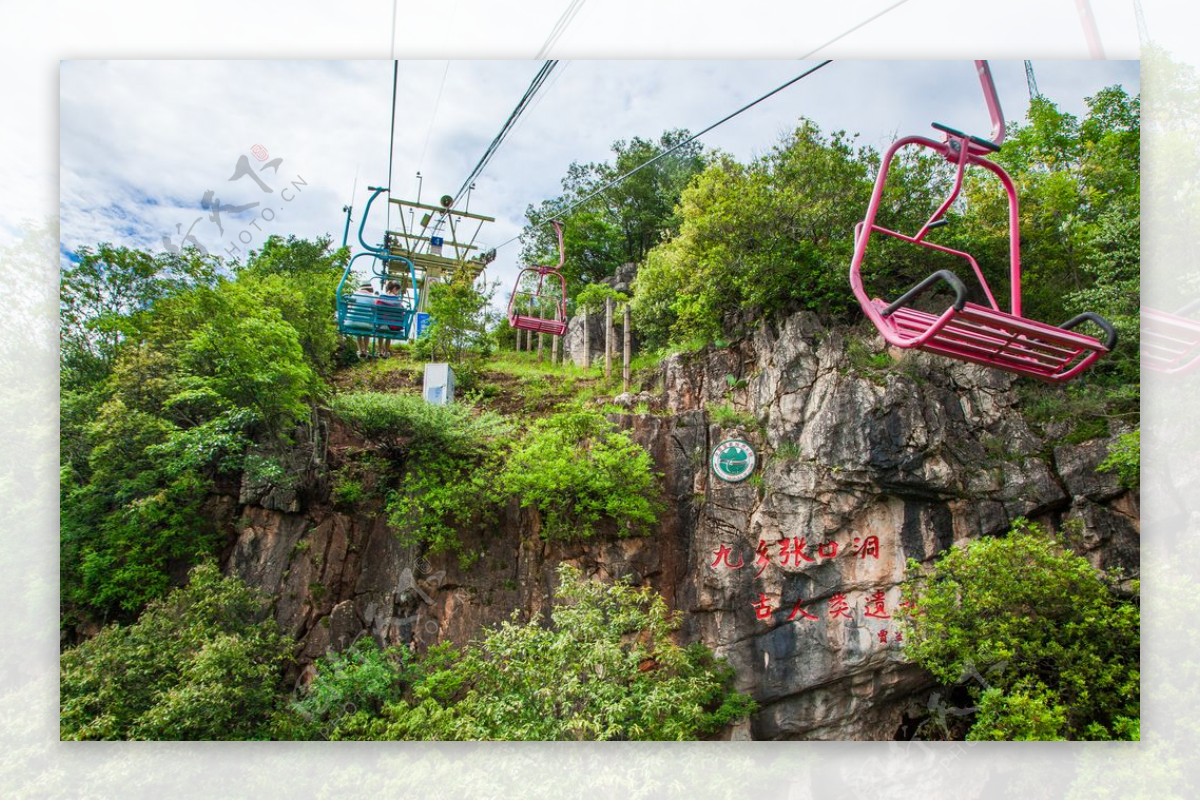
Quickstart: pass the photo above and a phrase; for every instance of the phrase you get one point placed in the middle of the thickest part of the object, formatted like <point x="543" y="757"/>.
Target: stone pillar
<point x="587" y="342"/>
<point x="625" y="335"/>
<point x="608" y="338"/>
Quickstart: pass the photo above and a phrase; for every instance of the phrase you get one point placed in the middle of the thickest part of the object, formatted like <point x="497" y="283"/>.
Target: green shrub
<point x="575" y="469"/>
<point x="725" y="416"/>
<point x="347" y="491"/>
<point x="204" y="663"/>
<point x="450" y="455"/>
<point x="607" y="669"/>
<point x="1058" y="647"/>
<point x="1125" y="459"/>
<point x="361" y="679"/>
<point x="406" y="423"/>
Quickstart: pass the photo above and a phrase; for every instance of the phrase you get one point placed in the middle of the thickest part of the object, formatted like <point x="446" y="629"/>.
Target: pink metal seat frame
<point x="556" y="325"/>
<point x="968" y="331"/>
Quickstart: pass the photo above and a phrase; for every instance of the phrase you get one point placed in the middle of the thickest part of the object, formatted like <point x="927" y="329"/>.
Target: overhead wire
<point x="849" y="31"/>
<point x="564" y="21"/>
<point x="392" y="141"/>
<point x="568" y="209"/>
<point x="433" y="117"/>
<point x="534" y="85"/>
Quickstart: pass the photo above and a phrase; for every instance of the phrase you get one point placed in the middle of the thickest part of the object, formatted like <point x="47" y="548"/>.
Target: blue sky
<point x="143" y="142"/>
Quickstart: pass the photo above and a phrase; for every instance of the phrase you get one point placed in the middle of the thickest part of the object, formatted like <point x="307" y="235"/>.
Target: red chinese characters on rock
<point x="793" y="548"/>
<point x="867" y="547"/>
<point x="794" y="552"/>
<point x="827" y="550"/>
<point x="838" y="607"/>
<point x="762" y="607"/>
<point x="799" y="609"/>
<point x="722" y="555"/>
<point x="762" y="557"/>
<point x="875" y="607"/>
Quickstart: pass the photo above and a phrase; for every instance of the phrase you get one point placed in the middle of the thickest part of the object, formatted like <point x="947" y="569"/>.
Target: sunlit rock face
<point x="791" y="575"/>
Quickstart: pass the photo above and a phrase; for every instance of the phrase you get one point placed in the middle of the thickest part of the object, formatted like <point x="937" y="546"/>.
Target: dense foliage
<point x="173" y="374"/>
<point x="204" y="663"/>
<point x="607" y="669"/>
<point x="576" y="470"/>
<point x="361" y="680"/>
<point x="620" y="224"/>
<point x="1047" y="650"/>
<point x="457" y="467"/>
<point x="447" y="456"/>
<point x="461" y="321"/>
<point x="769" y="237"/>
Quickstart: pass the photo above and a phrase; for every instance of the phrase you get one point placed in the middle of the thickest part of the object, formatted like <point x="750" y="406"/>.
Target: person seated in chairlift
<point x="389" y="297"/>
<point x="364" y="294"/>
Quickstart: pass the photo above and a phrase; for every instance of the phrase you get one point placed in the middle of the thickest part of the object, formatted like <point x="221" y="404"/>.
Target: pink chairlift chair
<point x="968" y="331"/>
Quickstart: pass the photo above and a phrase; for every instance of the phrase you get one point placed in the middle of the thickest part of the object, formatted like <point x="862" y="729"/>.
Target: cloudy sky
<point x="149" y="147"/>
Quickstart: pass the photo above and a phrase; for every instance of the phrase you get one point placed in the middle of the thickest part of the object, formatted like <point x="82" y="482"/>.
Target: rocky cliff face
<point x="791" y="575"/>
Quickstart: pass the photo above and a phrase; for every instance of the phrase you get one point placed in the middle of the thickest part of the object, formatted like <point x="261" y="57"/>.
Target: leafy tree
<point x="204" y="663"/>
<point x="594" y="296"/>
<point x="107" y="291"/>
<point x="607" y="669"/>
<point x="194" y="374"/>
<point x="622" y="223"/>
<point x="1078" y="184"/>
<point x="576" y="470"/>
<point x="461" y="316"/>
<point x="756" y="240"/>
<point x="299" y="277"/>
<point x="1058" y="647"/>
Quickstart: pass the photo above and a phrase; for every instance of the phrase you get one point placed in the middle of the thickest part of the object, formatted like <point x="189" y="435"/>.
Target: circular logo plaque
<point x="733" y="460"/>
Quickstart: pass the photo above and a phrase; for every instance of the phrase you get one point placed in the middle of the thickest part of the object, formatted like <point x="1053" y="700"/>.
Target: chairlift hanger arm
<point x="992" y="99"/>
<point x="562" y="253"/>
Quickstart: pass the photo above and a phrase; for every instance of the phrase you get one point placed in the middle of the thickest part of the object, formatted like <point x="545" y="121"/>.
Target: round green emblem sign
<point x="733" y="460"/>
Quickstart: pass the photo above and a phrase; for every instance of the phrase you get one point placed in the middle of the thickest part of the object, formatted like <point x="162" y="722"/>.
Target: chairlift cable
<point x="559" y="213"/>
<point x="560" y="27"/>
<point x="392" y="140"/>
<point x="522" y="104"/>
